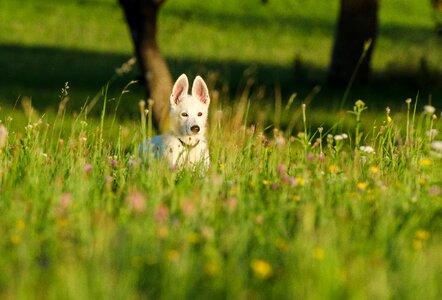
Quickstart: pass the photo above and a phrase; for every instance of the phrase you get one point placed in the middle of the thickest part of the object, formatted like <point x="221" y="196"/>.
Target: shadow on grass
<point x="40" y="73"/>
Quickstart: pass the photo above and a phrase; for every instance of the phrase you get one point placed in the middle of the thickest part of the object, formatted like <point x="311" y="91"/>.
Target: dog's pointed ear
<point x="200" y="90"/>
<point x="179" y="89"/>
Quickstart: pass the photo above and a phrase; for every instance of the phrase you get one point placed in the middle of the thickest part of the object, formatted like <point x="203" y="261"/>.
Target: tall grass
<point x="317" y="215"/>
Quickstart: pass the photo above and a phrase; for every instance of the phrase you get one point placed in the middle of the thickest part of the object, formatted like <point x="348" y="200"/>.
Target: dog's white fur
<point x="185" y="144"/>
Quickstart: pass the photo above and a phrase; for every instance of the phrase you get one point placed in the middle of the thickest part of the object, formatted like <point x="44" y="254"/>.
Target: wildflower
<point x="425" y="162"/>
<point x="333" y="169"/>
<point x="362" y="186"/>
<point x="422" y="234"/>
<point x="290" y="180"/>
<point x="173" y="255"/>
<point x="3" y="136"/>
<point x="261" y="268"/>
<point x="432" y="133"/>
<point x="281" y="169"/>
<point x="340" y="137"/>
<point x="374" y="169"/>
<point x="15" y="239"/>
<point x="318" y="253"/>
<point x="436" y="145"/>
<point x="281" y="245"/>
<point x="162" y="232"/>
<point x="366" y="149"/>
<point x="21" y="225"/>
<point x="300" y="181"/>
<point x="211" y="268"/>
<point x="161" y="213"/>
<point x="429" y="109"/>
<point x="88" y="168"/>
<point x="64" y="203"/>
<point x="136" y="202"/>
<point x="266" y="182"/>
<point x="434" y="191"/>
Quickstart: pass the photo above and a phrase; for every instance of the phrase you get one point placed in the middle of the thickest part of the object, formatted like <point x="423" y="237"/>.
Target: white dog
<point x="185" y="144"/>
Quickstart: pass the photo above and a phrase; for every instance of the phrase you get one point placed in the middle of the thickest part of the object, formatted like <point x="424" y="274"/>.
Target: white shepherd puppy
<point x="185" y="143"/>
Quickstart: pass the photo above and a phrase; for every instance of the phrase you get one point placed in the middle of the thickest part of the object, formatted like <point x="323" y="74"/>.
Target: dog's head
<point x="188" y="113"/>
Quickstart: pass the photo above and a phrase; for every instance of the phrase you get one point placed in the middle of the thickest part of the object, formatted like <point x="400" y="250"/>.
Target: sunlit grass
<point x="350" y="210"/>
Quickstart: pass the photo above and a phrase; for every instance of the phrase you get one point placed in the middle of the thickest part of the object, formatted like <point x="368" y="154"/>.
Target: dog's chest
<point x="180" y="153"/>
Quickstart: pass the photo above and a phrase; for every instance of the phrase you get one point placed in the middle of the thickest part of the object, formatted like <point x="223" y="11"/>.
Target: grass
<point x="276" y="216"/>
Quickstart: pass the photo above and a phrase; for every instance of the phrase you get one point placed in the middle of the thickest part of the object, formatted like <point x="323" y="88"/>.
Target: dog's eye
<point x="184" y="114"/>
<point x="200" y="114"/>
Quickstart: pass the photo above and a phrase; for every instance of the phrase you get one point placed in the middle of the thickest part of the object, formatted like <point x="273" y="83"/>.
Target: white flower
<point x="436" y="146"/>
<point x="429" y="109"/>
<point x="345" y="136"/>
<point x="338" y="137"/>
<point x="432" y="133"/>
<point x="3" y="136"/>
<point x="366" y="149"/>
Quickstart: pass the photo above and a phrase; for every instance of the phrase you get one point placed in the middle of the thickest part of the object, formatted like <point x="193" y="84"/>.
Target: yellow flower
<point x="300" y="180"/>
<point x="193" y="238"/>
<point x="15" y="239"/>
<point x="21" y="225"/>
<point x="173" y="255"/>
<point x="389" y="119"/>
<point x="422" y="181"/>
<point x="422" y="234"/>
<point x="425" y="162"/>
<point x="318" y="253"/>
<point x="281" y="245"/>
<point x="261" y="268"/>
<point x="362" y="186"/>
<point x="374" y="169"/>
<point x="333" y="169"/>
<point x="266" y="182"/>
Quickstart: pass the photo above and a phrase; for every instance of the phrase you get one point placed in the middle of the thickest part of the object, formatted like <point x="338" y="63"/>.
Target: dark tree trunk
<point x="141" y="16"/>
<point x="357" y="23"/>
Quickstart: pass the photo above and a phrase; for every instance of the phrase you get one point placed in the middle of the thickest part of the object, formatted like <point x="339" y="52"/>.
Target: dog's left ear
<point x="200" y="90"/>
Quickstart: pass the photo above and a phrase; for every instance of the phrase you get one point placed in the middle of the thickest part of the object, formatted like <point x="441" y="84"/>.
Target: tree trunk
<point x="141" y="16"/>
<point x="357" y="23"/>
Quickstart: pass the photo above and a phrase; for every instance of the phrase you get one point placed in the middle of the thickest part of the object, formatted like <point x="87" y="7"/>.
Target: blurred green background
<point x="285" y="44"/>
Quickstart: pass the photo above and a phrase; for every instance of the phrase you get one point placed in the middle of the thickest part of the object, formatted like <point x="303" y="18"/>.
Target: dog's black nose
<point x="195" y="129"/>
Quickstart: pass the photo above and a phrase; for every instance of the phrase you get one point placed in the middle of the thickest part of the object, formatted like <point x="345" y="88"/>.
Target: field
<point x="300" y="201"/>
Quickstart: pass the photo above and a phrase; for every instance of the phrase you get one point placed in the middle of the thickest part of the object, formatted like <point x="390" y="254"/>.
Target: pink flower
<point x="64" y="203"/>
<point x="161" y="213"/>
<point x="281" y="169"/>
<point x="88" y="168"/>
<point x="136" y="202"/>
<point x="232" y="203"/>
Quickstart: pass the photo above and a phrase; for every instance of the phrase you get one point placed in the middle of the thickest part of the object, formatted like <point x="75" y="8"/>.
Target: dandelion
<point x="261" y="268"/>
<point x="136" y="202"/>
<point x="425" y="162"/>
<point x="429" y="109"/>
<point x="362" y="186"/>
<point x="333" y="169"/>
<point x="266" y="182"/>
<point x="15" y="239"/>
<point x="318" y="253"/>
<point x="366" y="149"/>
<point x="374" y="169"/>
<point x="422" y="234"/>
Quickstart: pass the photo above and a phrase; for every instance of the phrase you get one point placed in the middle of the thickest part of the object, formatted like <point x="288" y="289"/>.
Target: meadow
<point x="300" y="201"/>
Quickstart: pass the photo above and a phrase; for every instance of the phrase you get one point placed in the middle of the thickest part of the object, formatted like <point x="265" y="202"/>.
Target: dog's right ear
<point x="179" y="90"/>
